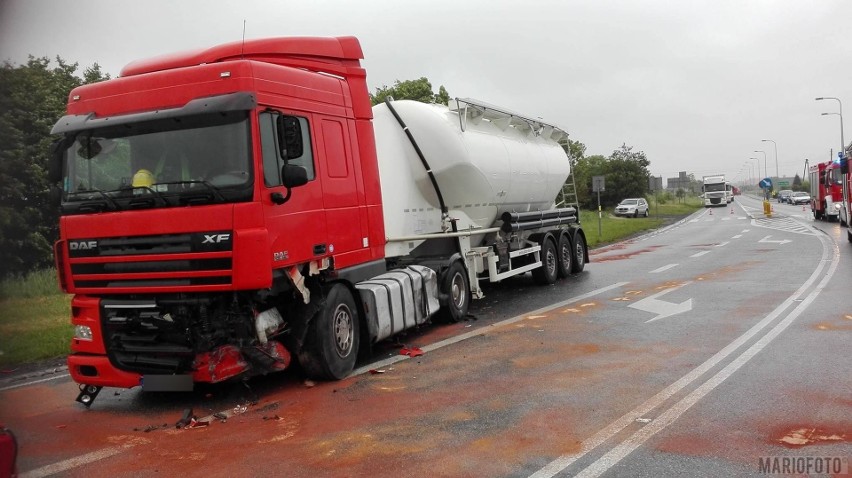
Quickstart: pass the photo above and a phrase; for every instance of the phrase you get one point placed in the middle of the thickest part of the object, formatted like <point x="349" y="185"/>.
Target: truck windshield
<point x="167" y="163"/>
<point x="711" y="188"/>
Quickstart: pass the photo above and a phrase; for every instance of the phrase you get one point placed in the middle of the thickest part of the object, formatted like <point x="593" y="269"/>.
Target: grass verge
<point x="34" y="319"/>
<point x="612" y="228"/>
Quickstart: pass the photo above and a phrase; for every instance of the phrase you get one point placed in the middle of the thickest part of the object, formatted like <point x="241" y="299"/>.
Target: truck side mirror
<point x="289" y="137"/>
<point x="294" y="176"/>
<point x="54" y="163"/>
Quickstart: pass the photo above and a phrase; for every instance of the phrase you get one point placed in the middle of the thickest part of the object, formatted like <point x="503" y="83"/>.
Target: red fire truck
<point x="229" y="210"/>
<point x="826" y="190"/>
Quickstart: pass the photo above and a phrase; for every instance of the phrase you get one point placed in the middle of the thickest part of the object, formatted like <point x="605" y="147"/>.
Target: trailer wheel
<point x="331" y="346"/>
<point x="579" y="253"/>
<point x="566" y="255"/>
<point x="546" y="274"/>
<point x="455" y="294"/>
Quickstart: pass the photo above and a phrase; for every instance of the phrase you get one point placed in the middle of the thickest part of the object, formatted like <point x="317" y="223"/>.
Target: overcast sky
<point x="696" y="85"/>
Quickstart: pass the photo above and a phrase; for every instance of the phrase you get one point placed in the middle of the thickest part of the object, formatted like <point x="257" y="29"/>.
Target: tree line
<point x="33" y="97"/>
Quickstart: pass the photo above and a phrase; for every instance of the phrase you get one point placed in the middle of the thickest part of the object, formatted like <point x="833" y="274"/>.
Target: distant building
<point x="680" y="182"/>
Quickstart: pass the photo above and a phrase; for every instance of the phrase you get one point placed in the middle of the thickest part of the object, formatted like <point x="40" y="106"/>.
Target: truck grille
<point x="186" y="261"/>
<point x="139" y="339"/>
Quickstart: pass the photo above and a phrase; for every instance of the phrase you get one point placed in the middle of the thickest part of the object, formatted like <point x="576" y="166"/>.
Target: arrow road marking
<point x="661" y="308"/>
<point x="766" y="239"/>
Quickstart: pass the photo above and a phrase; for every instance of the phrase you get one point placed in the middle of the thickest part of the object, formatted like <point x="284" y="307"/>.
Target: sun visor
<point x="240" y="101"/>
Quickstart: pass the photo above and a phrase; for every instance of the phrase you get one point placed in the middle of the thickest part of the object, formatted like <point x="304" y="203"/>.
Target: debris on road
<point x="195" y="423"/>
<point x="310" y="383"/>
<point x="184" y="419"/>
<point x="411" y="351"/>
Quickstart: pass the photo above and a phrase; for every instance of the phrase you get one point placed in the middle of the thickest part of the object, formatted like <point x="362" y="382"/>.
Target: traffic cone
<point x="732" y="209"/>
<point x="711" y="212"/>
<point x="803" y="207"/>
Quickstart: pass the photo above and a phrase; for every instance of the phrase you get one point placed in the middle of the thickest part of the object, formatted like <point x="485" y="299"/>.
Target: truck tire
<point x="579" y="253"/>
<point x="546" y="274"/>
<point x="455" y="294"/>
<point x="566" y="255"/>
<point x="331" y="346"/>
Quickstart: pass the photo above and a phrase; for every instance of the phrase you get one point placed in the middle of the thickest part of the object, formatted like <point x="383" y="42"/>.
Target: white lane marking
<point x="726" y="219"/>
<point x="661" y="308"/>
<point x="664" y="268"/>
<point x="70" y="463"/>
<point x="108" y="452"/>
<point x="605" y="434"/>
<point x="741" y="217"/>
<point x="699" y="254"/>
<point x="24" y="384"/>
<point x="611" y="458"/>
<point x="737" y="236"/>
<point x="746" y="230"/>
<point x="723" y="244"/>
<point x="766" y="239"/>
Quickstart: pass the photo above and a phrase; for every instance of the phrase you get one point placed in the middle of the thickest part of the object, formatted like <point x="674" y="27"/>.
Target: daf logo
<point x="216" y="238"/>
<point x="82" y="245"/>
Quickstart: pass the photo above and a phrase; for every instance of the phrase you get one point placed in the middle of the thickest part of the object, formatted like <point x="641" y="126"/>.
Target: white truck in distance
<point x="715" y="191"/>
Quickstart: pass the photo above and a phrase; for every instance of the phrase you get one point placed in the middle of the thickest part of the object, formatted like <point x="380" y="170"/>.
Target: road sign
<point x="598" y="184"/>
<point x="783" y="184"/>
<point x="766" y="183"/>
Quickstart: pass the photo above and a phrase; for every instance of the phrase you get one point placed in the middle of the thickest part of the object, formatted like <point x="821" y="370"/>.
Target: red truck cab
<point x="180" y="230"/>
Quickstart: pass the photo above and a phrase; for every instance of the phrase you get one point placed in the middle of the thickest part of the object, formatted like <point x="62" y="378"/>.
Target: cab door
<point x="297" y="227"/>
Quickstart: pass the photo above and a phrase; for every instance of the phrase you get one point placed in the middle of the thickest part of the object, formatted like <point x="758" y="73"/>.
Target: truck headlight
<point x="82" y="332"/>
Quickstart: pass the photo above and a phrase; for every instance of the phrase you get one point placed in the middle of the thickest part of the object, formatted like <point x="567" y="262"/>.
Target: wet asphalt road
<point x="696" y="350"/>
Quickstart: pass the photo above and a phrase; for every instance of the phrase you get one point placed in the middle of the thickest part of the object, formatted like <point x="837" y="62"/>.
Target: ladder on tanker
<point x="567" y="197"/>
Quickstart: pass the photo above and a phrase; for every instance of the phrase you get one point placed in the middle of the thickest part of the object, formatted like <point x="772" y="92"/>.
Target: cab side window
<point x="298" y="147"/>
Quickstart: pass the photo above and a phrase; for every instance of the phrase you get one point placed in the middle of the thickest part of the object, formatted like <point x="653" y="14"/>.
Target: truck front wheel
<point x="455" y="294"/>
<point x="331" y="346"/>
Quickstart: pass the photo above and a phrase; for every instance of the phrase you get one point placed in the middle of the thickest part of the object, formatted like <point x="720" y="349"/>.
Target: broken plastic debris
<point x="220" y="416"/>
<point x="239" y="409"/>
<point x="310" y="383"/>
<point x="184" y="419"/>
<point x="195" y="423"/>
<point x="375" y="371"/>
<point x="411" y="352"/>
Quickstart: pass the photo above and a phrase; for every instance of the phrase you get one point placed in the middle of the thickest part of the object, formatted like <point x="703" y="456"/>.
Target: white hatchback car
<point x="632" y="207"/>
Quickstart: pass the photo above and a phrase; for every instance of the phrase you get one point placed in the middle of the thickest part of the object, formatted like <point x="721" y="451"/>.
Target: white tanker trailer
<point x="469" y="190"/>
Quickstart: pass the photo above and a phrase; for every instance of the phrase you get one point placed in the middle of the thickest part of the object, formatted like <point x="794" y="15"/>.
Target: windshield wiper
<point x="112" y="202"/>
<point x="216" y="193"/>
<point x="137" y="201"/>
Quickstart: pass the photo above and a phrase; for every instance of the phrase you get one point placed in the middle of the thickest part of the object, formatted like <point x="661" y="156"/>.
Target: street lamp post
<point x="840" y="104"/>
<point x="842" y="149"/>
<point x="777" y="176"/>
<point x="765" y="170"/>
<point x="758" y="167"/>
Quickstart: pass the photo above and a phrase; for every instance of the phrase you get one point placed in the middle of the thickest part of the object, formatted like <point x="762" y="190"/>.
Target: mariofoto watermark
<point x="785" y="465"/>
